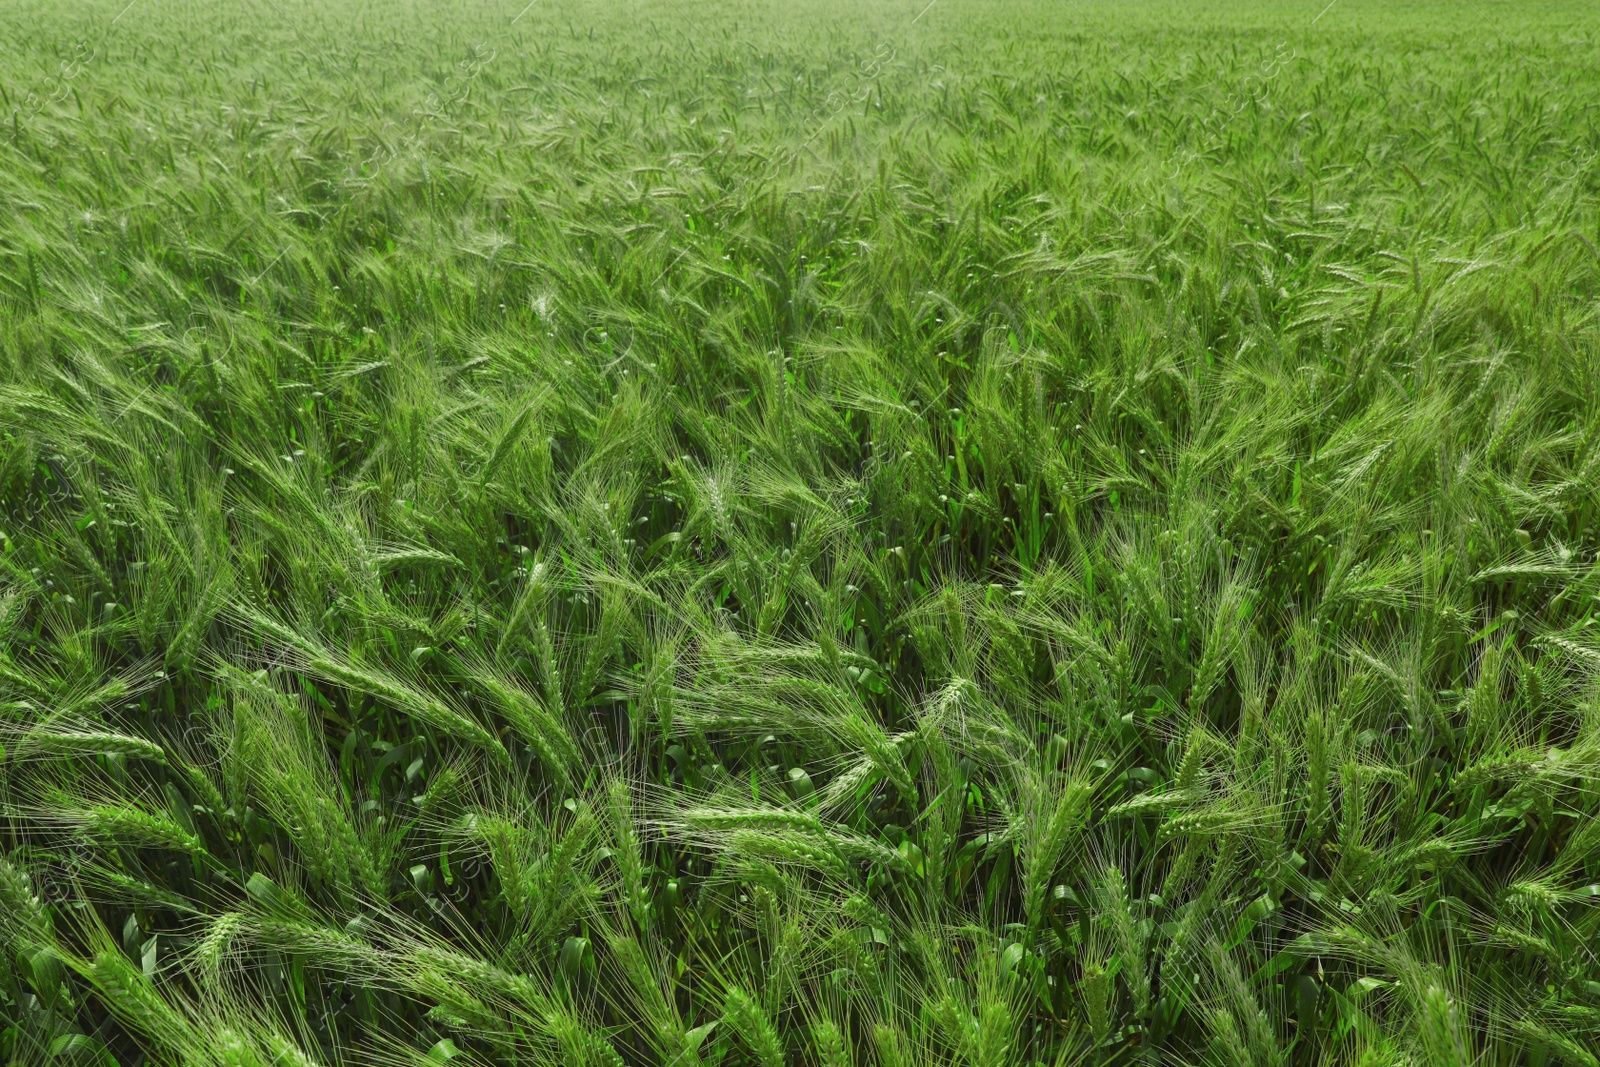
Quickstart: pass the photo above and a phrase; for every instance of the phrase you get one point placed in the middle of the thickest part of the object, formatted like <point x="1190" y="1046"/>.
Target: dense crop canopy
<point x="776" y="535"/>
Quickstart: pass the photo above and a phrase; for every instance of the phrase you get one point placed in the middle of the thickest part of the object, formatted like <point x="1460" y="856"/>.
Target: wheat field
<point x="982" y="533"/>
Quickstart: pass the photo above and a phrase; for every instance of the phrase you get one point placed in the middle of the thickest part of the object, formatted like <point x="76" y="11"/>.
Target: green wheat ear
<point x="25" y="916"/>
<point x="744" y="1017"/>
<point x="134" y="1000"/>
<point x="1095" y="988"/>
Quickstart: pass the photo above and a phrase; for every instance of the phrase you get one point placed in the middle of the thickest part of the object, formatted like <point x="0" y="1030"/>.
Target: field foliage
<point x="760" y="534"/>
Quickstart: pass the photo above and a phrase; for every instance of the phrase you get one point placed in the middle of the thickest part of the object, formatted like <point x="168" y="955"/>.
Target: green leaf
<point x="82" y="1050"/>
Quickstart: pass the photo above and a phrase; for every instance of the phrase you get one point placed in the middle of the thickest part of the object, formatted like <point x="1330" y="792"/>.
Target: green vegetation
<point x="765" y="534"/>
